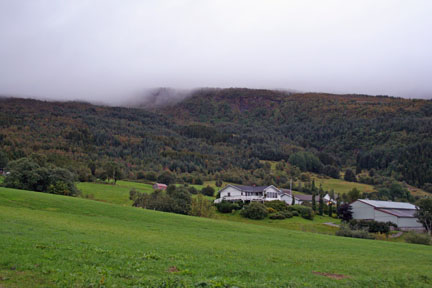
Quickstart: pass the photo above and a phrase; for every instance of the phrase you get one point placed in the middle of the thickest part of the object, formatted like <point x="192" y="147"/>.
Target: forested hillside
<point x="226" y="133"/>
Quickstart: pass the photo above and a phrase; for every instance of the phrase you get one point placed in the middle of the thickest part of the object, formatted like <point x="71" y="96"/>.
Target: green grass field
<point x="117" y="194"/>
<point x="57" y="241"/>
<point x="341" y="186"/>
<point x="294" y="223"/>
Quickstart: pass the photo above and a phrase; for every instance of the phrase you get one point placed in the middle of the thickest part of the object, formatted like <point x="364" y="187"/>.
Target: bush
<point x="255" y="210"/>
<point x="371" y="226"/>
<point x="227" y="207"/>
<point x="307" y="213"/>
<point x="271" y="210"/>
<point x="418" y="238"/>
<point x="133" y="194"/>
<point x="219" y="183"/>
<point x="277" y="205"/>
<point x="277" y="216"/>
<point x="287" y="214"/>
<point x="345" y="231"/>
<point x="303" y="211"/>
<point x="201" y="207"/>
<point x="192" y="190"/>
<point x="208" y="191"/>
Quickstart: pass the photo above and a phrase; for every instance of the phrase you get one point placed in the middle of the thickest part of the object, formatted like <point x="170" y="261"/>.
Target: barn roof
<point x="161" y="185"/>
<point x="403" y="213"/>
<point x="389" y="204"/>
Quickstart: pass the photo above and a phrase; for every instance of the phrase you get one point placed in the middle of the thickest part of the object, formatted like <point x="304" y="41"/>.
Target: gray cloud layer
<point x="106" y="50"/>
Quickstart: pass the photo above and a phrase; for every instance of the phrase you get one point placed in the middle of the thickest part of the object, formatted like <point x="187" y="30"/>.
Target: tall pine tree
<point x="313" y="202"/>
<point x="321" y="204"/>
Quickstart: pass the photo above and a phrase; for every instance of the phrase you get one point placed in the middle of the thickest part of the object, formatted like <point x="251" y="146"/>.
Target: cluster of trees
<point x="36" y="174"/>
<point x="175" y="200"/>
<point x="273" y="209"/>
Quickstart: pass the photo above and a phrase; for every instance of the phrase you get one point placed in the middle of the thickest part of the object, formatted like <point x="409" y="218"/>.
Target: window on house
<point x="229" y="194"/>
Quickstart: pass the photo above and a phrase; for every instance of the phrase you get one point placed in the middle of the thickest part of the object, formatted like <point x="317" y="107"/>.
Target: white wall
<point x="233" y="192"/>
<point x="288" y="199"/>
<point x="362" y="211"/>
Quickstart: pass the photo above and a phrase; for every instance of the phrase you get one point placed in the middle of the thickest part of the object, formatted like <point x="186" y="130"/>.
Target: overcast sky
<point x="105" y="50"/>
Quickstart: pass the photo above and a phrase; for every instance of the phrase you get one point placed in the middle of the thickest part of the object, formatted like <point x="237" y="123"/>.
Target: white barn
<point x="399" y="213"/>
<point x="236" y="193"/>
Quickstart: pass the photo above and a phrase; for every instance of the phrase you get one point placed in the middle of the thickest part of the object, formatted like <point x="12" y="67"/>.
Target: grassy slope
<point x="341" y="186"/>
<point x="294" y="223"/>
<point x="48" y="240"/>
<point x="117" y="194"/>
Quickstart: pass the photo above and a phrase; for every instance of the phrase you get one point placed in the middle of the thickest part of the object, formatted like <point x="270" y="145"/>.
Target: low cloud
<point x="114" y="51"/>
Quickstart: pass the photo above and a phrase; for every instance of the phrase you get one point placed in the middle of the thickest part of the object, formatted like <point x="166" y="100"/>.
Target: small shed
<point x="159" y="186"/>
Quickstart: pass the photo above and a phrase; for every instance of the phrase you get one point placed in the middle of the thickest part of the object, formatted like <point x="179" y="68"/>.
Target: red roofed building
<point x="159" y="186"/>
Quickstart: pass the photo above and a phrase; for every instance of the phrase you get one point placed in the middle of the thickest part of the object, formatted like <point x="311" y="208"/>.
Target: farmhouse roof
<point x="306" y="197"/>
<point x="389" y="204"/>
<point x="251" y="188"/>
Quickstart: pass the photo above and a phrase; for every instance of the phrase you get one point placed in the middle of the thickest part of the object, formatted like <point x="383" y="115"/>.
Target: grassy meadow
<point x="341" y="186"/>
<point x="294" y="223"/>
<point x="56" y="241"/>
<point x="112" y="193"/>
<point x="119" y="193"/>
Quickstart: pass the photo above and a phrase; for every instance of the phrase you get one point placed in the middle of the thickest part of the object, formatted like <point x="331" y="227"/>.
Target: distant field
<point x="341" y="186"/>
<point x="117" y="194"/>
<point x="57" y="241"/>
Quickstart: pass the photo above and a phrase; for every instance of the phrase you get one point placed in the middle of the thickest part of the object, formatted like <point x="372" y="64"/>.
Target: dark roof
<point x="403" y="213"/>
<point x="286" y="191"/>
<point x="251" y="188"/>
<point x="306" y="197"/>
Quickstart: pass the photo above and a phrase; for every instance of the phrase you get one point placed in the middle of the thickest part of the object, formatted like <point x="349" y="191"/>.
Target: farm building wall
<point x="385" y="217"/>
<point x="362" y="211"/>
<point x="410" y="223"/>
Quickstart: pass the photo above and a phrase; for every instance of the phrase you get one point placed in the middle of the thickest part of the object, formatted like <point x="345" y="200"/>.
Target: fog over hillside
<point x="116" y="51"/>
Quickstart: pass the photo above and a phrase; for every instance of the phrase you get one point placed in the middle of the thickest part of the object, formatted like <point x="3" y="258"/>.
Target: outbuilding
<point x="159" y="186"/>
<point x="400" y="213"/>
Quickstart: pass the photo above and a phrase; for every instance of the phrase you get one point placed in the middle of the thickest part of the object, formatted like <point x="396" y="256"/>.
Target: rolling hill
<point x="227" y="134"/>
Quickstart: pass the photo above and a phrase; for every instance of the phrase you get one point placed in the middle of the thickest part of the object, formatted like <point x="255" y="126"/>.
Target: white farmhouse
<point x="399" y="213"/>
<point x="235" y="193"/>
